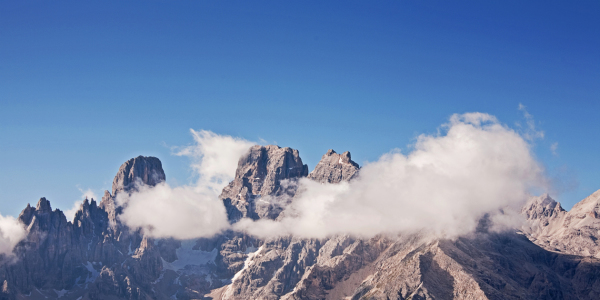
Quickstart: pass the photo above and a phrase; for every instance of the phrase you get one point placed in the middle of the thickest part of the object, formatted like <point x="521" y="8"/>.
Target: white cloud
<point x="473" y="167"/>
<point x="12" y="232"/>
<point x="444" y="186"/>
<point x="183" y="212"/>
<point x="189" y="211"/>
<point x="553" y="148"/>
<point x="85" y="194"/>
<point x="530" y="133"/>
<point x="214" y="157"/>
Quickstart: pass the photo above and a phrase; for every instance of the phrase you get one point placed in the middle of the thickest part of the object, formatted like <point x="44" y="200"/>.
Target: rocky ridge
<point x="97" y="257"/>
<point x="572" y="232"/>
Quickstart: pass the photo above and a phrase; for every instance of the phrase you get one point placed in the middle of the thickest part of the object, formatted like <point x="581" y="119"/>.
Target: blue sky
<point x="86" y="85"/>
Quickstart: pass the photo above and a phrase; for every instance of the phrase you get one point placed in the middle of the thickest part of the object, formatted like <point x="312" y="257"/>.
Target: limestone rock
<point x="572" y="232"/>
<point x="266" y="178"/>
<point x="334" y="168"/>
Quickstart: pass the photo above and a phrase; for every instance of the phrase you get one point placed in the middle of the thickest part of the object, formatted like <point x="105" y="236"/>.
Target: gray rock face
<point x="92" y="257"/>
<point x="147" y="169"/>
<point x="265" y="176"/>
<point x="334" y="168"/>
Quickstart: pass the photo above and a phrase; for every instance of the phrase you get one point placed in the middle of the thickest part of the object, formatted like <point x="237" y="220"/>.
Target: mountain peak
<point x="334" y="168"/>
<point x="144" y="169"/>
<point x="43" y="206"/>
<point x="264" y="171"/>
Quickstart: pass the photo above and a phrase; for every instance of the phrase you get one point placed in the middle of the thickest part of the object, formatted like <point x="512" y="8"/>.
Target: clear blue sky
<point x="86" y="85"/>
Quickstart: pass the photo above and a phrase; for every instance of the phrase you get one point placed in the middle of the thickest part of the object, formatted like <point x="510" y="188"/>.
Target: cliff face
<point x="334" y="168"/>
<point x="266" y="178"/>
<point x="139" y="170"/>
<point x="97" y="257"/>
<point x="76" y="259"/>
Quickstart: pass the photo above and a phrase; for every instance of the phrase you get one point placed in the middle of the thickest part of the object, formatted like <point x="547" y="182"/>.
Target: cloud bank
<point x="474" y="166"/>
<point x="11" y="233"/>
<point x="443" y="187"/>
<point x="194" y="210"/>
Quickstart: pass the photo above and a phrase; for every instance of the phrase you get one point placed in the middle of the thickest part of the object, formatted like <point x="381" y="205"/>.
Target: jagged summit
<point x="541" y="206"/>
<point x="264" y="171"/>
<point x="573" y="232"/>
<point x="43" y="206"/>
<point x="147" y="169"/>
<point x="334" y="168"/>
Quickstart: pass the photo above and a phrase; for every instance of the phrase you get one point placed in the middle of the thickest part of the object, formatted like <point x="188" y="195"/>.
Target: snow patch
<point x="60" y="293"/>
<point x="129" y="252"/>
<point x="250" y="249"/>
<point x="90" y="267"/>
<point x="188" y="256"/>
<point x="159" y="278"/>
<point x="248" y="262"/>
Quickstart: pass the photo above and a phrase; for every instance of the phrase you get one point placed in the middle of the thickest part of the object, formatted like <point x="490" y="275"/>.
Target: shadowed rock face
<point x="93" y="257"/>
<point x="265" y="173"/>
<point x="147" y="169"/>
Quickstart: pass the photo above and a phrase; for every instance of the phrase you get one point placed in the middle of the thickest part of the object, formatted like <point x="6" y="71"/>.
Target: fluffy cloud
<point x="11" y="233"/>
<point x="474" y="166"/>
<point x="183" y="212"/>
<point x="214" y="157"/>
<point x="188" y="211"/>
<point x="477" y="166"/>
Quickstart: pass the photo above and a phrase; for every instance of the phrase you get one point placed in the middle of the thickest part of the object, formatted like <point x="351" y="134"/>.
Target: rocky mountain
<point x="334" y="168"/>
<point x="555" y="229"/>
<point x="95" y="256"/>
<point x="265" y="180"/>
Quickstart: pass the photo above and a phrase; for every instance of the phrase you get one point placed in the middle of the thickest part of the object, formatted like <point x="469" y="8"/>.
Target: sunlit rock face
<point x="334" y="168"/>
<point x="570" y="232"/>
<point x="265" y="180"/>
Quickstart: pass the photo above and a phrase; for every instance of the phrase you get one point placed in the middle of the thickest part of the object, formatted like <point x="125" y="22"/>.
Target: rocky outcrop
<point x="265" y="181"/>
<point x="334" y="168"/>
<point x="145" y="170"/>
<point x="283" y="264"/>
<point x="572" y="232"/>
<point x="142" y="170"/>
